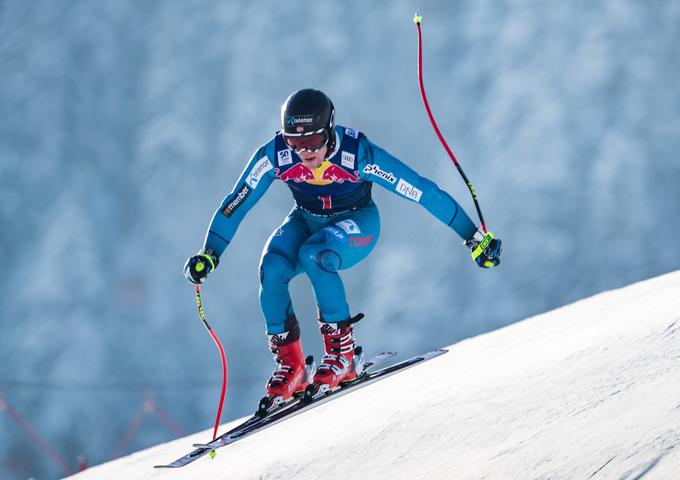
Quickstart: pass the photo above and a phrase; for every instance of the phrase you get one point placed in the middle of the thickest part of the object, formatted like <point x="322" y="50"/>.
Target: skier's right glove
<point x="199" y="266"/>
<point x="485" y="249"/>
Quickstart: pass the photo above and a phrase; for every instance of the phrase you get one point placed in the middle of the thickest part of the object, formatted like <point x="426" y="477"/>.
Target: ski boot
<point x="343" y="361"/>
<point x="293" y="372"/>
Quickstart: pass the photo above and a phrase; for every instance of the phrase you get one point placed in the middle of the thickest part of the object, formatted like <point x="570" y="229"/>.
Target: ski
<point x="252" y="423"/>
<point x="297" y="406"/>
<point x="309" y="403"/>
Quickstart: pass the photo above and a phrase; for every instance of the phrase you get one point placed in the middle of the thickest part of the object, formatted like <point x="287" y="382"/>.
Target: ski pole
<point x="222" y="356"/>
<point x="417" y="19"/>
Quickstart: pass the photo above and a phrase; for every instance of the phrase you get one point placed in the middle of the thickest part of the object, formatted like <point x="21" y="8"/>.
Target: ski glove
<point x="485" y="249"/>
<point x="199" y="266"/>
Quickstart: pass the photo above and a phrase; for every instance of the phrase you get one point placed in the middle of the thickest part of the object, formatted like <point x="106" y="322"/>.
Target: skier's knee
<point x="311" y="256"/>
<point x="275" y="268"/>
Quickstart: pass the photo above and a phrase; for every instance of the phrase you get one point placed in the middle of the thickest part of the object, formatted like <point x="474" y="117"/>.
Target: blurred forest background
<point x="123" y="124"/>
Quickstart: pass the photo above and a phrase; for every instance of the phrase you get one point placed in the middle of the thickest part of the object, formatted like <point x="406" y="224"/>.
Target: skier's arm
<point x="378" y="166"/>
<point x="254" y="181"/>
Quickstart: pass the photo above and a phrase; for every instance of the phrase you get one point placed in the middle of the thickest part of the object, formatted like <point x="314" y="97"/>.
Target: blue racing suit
<point x="334" y="224"/>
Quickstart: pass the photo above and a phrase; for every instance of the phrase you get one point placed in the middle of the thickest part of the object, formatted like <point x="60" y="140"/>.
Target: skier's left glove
<point x="199" y="266"/>
<point x="485" y="249"/>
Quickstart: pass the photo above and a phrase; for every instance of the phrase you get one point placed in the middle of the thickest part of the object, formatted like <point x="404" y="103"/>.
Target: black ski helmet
<point x="306" y="112"/>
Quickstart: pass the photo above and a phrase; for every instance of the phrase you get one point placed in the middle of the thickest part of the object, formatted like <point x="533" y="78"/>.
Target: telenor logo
<point x="292" y="121"/>
<point x="259" y="169"/>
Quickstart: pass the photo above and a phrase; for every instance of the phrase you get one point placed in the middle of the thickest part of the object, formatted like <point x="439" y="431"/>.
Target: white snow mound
<point x="588" y="391"/>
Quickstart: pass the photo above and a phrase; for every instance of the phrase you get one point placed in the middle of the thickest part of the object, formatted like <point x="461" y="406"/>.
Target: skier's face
<point x="313" y="159"/>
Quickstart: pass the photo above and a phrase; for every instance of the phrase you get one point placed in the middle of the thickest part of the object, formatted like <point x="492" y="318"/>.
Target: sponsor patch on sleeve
<point x="409" y="191"/>
<point x="236" y="200"/>
<point x="373" y="169"/>
<point x="258" y="170"/>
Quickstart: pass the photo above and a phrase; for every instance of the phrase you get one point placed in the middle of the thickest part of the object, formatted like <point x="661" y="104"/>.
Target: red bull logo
<point x="324" y="174"/>
<point x="335" y="174"/>
<point x="298" y="173"/>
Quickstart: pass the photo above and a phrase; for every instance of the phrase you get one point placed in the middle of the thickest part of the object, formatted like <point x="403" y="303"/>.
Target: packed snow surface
<point x="588" y="391"/>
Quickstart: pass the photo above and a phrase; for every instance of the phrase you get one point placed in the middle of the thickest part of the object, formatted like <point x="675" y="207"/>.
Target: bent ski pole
<point x="417" y="19"/>
<point x="222" y="357"/>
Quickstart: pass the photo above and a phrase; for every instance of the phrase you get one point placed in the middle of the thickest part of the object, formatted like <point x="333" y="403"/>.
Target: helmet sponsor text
<point x="306" y="120"/>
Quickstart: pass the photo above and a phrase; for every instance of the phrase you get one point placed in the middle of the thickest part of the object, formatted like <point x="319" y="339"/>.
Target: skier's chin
<point x="313" y="161"/>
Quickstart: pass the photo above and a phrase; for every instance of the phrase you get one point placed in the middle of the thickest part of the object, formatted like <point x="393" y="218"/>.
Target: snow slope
<point x="591" y="390"/>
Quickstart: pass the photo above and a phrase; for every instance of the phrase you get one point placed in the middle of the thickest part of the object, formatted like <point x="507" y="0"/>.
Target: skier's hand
<point x="485" y="249"/>
<point x="199" y="266"/>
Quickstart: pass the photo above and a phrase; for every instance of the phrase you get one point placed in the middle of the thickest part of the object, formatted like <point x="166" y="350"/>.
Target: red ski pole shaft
<point x="417" y="19"/>
<point x="212" y="333"/>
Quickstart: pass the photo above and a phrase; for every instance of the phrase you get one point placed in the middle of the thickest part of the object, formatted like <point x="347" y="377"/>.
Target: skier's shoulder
<point x="269" y="147"/>
<point x="260" y="163"/>
<point x="265" y="151"/>
<point x="348" y="134"/>
<point x="356" y="140"/>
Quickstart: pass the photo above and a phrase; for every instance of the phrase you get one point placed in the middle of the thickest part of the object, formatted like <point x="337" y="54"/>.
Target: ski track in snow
<point x="588" y="391"/>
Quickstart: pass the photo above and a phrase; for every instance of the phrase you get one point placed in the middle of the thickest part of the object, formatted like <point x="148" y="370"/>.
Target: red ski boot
<point x="291" y="376"/>
<point x="338" y="364"/>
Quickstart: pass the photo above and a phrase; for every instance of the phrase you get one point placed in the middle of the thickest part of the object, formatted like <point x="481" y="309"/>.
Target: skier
<point x="333" y="226"/>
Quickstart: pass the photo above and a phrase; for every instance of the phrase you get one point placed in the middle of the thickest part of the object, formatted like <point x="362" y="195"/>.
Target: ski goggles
<point x="310" y="142"/>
